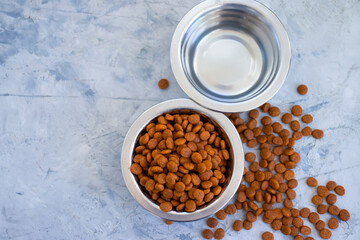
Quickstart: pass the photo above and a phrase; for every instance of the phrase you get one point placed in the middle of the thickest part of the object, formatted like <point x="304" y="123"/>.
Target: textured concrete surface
<point x="74" y="75"/>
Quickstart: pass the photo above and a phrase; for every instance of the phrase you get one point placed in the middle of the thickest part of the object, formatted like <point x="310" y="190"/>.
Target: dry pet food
<point x="181" y="161"/>
<point x="163" y="83"/>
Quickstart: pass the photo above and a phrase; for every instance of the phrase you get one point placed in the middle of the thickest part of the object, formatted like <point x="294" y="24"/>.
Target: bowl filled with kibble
<point x="181" y="161"/>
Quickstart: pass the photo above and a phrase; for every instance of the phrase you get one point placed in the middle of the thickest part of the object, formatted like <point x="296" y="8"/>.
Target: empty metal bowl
<point x="230" y="56"/>
<point x="236" y="161"/>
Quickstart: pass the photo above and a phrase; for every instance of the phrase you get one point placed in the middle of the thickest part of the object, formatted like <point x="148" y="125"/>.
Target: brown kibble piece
<point x="289" y="174"/>
<point x="266" y="120"/>
<point x="305" y="230"/>
<point x="221" y="214"/>
<point x="298" y="222"/>
<point x="250" y="157"/>
<point x="248" y="134"/>
<point x="325" y="233"/>
<point x="344" y="215"/>
<point x="163" y="83"/>
<point x="274" y="111"/>
<point x="135" y="169"/>
<point x="252" y="143"/>
<point x="265" y="107"/>
<point x="302" y="89"/>
<point x="307" y="118"/>
<point x="331" y="199"/>
<point x="334" y="210"/>
<point x="168" y="222"/>
<point x="296" y="110"/>
<point x="196" y="157"/>
<point x="331" y="185"/>
<point x="294" y="231"/>
<point x="207" y="234"/>
<point x="314" y="217"/>
<point x="295" y="125"/>
<point x="306" y="131"/>
<point x="292" y="183"/>
<point x="276" y="224"/>
<point x="230" y="209"/>
<point x="317" y="133"/>
<point x="194" y="119"/>
<point x="251" y="217"/>
<point x="317" y="200"/>
<point x="340" y="190"/>
<point x="251" y="124"/>
<point x="274" y="183"/>
<point x="253" y="113"/>
<point x="276" y="127"/>
<point x="166" y="206"/>
<point x="212" y="222"/>
<point x="304" y="212"/>
<point x="247" y="225"/>
<point x="295" y="212"/>
<point x="285" y="229"/>
<point x="333" y="223"/>
<point x="291" y="194"/>
<point x="322" y="209"/>
<point x="288" y="203"/>
<point x="298" y="237"/>
<point x="237" y="225"/>
<point x="267" y="236"/>
<point x="219" y="233"/>
<point x="180" y="186"/>
<point x="286" y="118"/>
<point x="190" y="206"/>
<point x="199" y="195"/>
<point x="311" y="182"/>
<point x="322" y="191"/>
<point x="320" y="225"/>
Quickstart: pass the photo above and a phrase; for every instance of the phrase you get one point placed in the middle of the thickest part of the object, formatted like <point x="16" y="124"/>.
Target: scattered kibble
<point x="340" y="190"/>
<point x="320" y="225"/>
<point x="322" y="191"/>
<point x="267" y="236"/>
<point x="311" y="182"/>
<point x="331" y="185"/>
<point x="237" y="225"/>
<point x="307" y="118"/>
<point x="344" y="215"/>
<point x="163" y="83"/>
<point x="266" y="181"/>
<point x="168" y="222"/>
<point x="212" y="222"/>
<point x="333" y="223"/>
<point x="221" y="215"/>
<point x="317" y="133"/>
<point x="325" y="233"/>
<point x="296" y="110"/>
<point x="207" y="234"/>
<point x="219" y="233"/>
<point x="302" y="89"/>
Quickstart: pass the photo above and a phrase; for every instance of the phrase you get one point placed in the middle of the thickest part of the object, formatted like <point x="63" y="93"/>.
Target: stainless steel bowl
<point x="230" y="56"/>
<point x="228" y="131"/>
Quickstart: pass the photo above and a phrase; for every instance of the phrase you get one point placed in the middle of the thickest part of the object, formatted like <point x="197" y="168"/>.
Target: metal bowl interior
<point x="230" y="55"/>
<point x="236" y="163"/>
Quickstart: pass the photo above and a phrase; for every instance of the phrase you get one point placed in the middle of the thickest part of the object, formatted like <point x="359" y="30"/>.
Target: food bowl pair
<point x="227" y="56"/>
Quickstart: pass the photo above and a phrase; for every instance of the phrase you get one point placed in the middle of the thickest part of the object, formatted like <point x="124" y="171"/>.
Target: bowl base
<point x="228" y="62"/>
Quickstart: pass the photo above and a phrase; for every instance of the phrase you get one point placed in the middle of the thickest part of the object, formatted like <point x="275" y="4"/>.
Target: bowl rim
<point x="138" y="126"/>
<point x="193" y="93"/>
